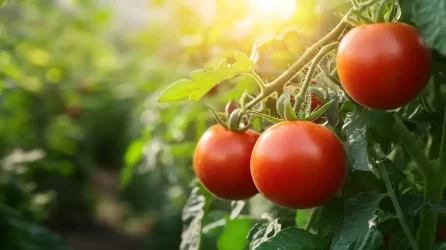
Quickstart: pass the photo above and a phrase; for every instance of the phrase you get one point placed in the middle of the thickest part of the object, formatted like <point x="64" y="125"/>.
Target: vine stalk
<point x="396" y="205"/>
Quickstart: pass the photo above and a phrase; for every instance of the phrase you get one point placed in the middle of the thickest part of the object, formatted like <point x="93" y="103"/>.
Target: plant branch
<point x="320" y="55"/>
<point x="396" y="205"/>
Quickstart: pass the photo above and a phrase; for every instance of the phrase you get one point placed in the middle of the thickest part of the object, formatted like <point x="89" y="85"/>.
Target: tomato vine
<point x="268" y="159"/>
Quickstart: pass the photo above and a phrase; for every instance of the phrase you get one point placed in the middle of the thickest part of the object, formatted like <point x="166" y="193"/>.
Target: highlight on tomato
<point x="222" y="162"/>
<point x="383" y="65"/>
<point x="298" y="164"/>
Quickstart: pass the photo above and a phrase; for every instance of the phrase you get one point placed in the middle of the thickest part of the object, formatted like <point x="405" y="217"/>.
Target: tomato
<point x="222" y="162"/>
<point x="383" y="65"/>
<point x="298" y="164"/>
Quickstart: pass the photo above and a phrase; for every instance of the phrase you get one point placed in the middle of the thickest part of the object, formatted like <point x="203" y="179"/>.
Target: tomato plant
<point x="298" y="164"/>
<point x="379" y="75"/>
<point x="377" y="67"/>
<point x="221" y="162"/>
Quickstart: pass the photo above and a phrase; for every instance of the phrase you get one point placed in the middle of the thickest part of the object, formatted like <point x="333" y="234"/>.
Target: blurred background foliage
<point x="90" y="160"/>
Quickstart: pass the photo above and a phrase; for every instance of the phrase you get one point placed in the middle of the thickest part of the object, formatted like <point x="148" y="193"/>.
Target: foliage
<point x="395" y="156"/>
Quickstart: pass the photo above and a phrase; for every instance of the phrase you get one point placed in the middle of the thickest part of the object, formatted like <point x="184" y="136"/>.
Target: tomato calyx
<point x="231" y="119"/>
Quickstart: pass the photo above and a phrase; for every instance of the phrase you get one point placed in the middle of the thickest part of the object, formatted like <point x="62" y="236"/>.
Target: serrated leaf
<point x="357" y="146"/>
<point x="202" y="81"/>
<point x="284" y="107"/>
<point x="430" y="17"/>
<point x="294" y="238"/>
<point x="262" y="232"/>
<point x="194" y="212"/>
<point x="234" y="236"/>
<point x="359" y="223"/>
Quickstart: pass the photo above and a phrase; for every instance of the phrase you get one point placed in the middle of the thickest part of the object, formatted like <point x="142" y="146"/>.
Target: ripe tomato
<point x="298" y="164"/>
<point x="383" y="65"/>
<point x="221" y="162"/>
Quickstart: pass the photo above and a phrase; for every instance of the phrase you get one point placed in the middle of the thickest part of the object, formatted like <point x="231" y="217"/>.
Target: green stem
<point x="433" y="192"/>
<point x="409" y="142"/>
<point x="320" y="55"/>
<point x="355" y="3"/>
<point x="443" y="146"/>
<point x="396" y="205"/>
<point x="297" y="66"/>
<point x="314" y="217"/>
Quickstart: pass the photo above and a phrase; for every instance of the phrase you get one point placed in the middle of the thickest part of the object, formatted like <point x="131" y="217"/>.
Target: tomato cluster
<point x="300" y="164"/>
<point x="296" y="164"/>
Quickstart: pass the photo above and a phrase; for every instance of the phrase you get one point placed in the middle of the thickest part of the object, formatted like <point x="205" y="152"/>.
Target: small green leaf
<point x="284" y="107"/>
<point x="202" y="81"/>
<point x="294" y="238"/>
<point x="430" y="17"/>
<point x="359" y="222"/>
<point x="194" y="213"/>
<point x="267" y="117"/>
<point x="320" y="111"/>
<point x="234" y="236"/>
<point x="2" y="2"/>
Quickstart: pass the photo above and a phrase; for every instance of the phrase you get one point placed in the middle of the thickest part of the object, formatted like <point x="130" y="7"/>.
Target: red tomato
<point x="383" y="65"/>
<point x="221" y="162"/>
<point x="298" y="164"/>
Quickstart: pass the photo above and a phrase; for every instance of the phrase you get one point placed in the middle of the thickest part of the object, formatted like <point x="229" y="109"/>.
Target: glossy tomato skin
<point x="298" y="164"/>
<point x="383" y="65"/>
<point x="222" y="162"/>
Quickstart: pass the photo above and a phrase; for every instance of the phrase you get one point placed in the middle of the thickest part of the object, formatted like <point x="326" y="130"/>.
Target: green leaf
<point x="234" y="236"/>
<point x="320" y="111"/>
<point x="263" y="231"/>
<point x="284" y="107"/>
<point x="265" y="116"/>
<point x="294" y="238"/>
<point x="194" y="213"/>
<point x="430" y="18"/>
<point x="441" y="246"/>
<point x="131" y="158"/>
<point x="202" y="81"/>
<point x="2" y="2"/>
<point x="357" y="146"/>
<point x="359" y="221"/>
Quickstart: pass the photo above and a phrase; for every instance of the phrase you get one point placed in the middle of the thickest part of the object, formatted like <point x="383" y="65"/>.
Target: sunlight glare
<point x="272" y="8"/>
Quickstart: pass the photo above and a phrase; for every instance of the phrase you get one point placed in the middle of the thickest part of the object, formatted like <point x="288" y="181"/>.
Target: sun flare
<point x="272" y="8"/>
